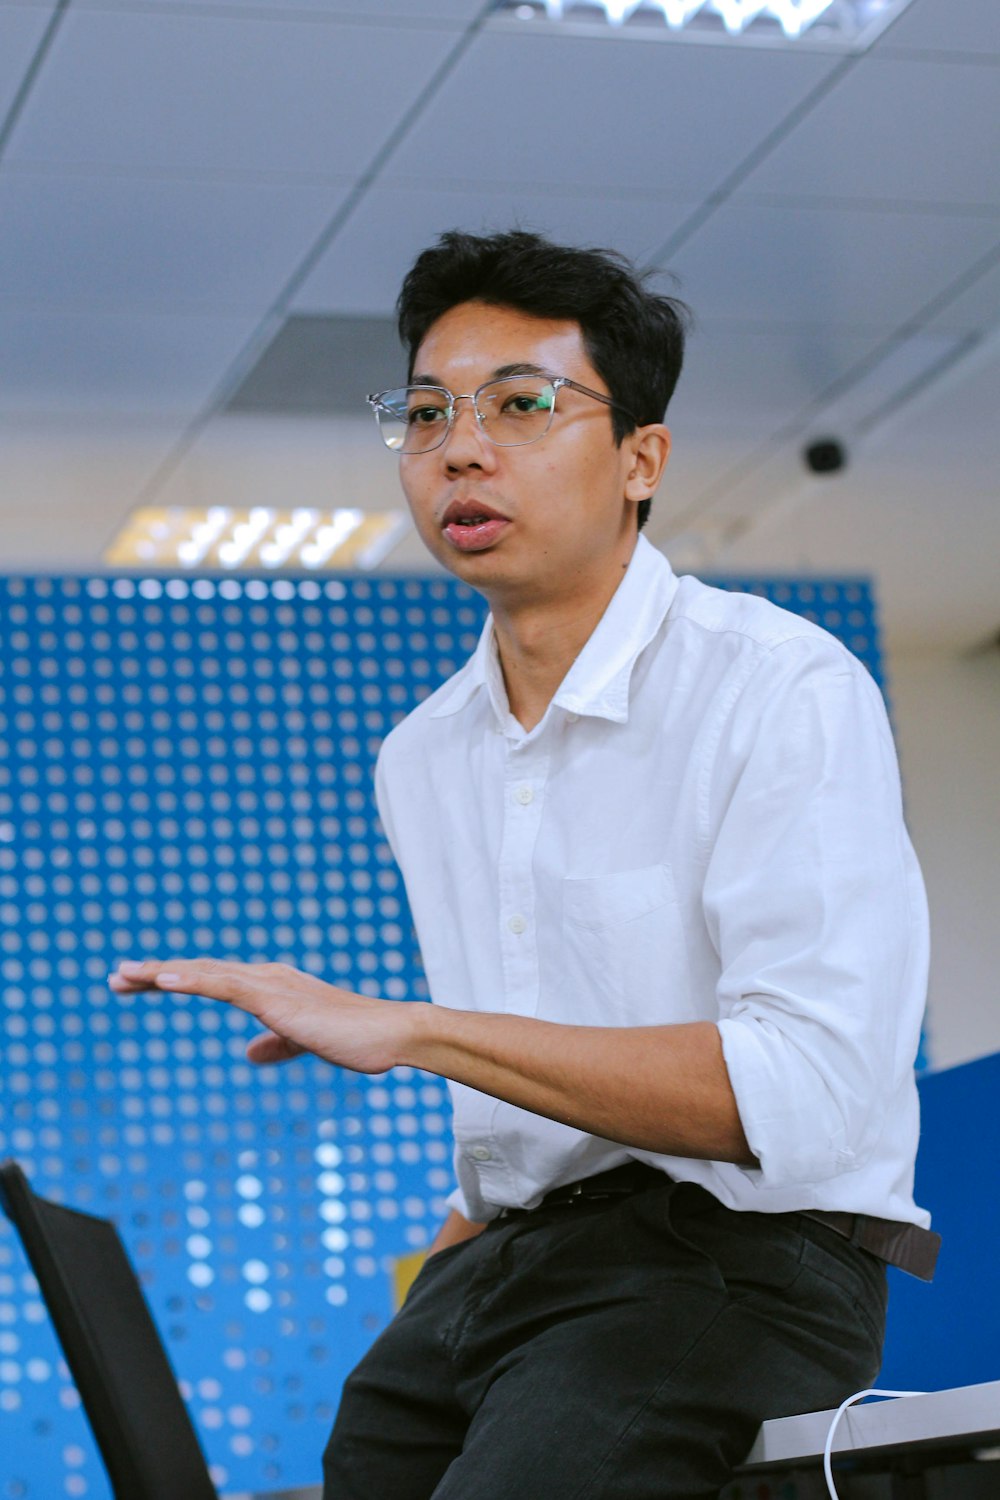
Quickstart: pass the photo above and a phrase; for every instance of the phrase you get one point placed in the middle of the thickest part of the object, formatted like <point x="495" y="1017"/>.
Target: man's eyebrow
<point x="525" y="367"/>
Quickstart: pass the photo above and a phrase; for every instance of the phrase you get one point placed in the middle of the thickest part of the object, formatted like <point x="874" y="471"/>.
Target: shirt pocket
<point x="626" y="954"/>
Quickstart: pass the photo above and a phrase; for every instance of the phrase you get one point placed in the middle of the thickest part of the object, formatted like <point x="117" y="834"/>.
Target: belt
<point x="907" y="1246"/>
<point x="619" y="1182"/>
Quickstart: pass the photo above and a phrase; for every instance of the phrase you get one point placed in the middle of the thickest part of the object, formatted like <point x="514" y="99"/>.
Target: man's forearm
<point x="661" y="1088"/>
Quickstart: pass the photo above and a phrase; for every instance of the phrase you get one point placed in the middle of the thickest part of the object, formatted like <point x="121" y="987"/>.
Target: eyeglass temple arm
<point x="574" y="385"/>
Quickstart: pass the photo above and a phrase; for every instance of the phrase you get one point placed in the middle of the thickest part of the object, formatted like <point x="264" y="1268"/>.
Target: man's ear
<point x="649" y="449"/>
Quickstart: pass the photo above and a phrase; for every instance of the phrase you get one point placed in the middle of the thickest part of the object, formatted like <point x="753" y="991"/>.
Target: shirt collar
<point x="597" y="683"/>
<point x="482" y="665"/>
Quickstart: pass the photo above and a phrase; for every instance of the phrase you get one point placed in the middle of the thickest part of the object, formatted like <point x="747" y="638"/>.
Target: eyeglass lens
<point x="517" y="409"/>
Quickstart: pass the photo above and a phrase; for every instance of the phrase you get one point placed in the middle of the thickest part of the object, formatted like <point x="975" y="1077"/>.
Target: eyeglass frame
<point x="557" y="382"/>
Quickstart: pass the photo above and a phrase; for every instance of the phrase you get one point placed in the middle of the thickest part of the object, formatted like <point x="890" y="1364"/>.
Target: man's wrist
<point x="421" y="1017"/>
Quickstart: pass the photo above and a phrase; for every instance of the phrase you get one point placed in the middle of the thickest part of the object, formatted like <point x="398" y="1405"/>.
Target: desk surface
<point x="966" y="1418"/>
<point x="307" y="1492"/>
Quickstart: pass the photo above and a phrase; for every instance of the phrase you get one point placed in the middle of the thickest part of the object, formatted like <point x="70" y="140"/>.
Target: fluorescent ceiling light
<point x="854" y="23"/>
<point x="222" y="539"/>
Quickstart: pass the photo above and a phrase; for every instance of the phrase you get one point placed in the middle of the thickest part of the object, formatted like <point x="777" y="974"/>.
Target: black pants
<point x="622" y="1349"/>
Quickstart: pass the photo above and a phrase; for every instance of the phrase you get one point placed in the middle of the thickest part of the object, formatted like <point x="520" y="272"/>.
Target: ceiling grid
<point x="39" y="54"/>
<point x="247" y="358"/>
<point x="185" y="185"/>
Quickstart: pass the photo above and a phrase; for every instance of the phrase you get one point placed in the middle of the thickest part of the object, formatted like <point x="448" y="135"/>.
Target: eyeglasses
<point x="510" y="411"/>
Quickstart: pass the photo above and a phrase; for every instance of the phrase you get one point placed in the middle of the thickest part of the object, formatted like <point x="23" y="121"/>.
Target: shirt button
<point x="572" y="718"/>
<point x="516" y="924"/>
<point x="524" y="795"/>
<point x="481" y="1153"/>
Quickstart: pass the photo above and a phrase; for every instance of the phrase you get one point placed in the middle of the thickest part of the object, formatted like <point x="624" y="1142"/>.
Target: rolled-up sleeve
<point x="815" y="905"/>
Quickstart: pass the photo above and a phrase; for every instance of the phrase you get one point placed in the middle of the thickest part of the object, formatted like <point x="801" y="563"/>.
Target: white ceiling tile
<point x="947" y="26"/>
<point x="77" y="242"/>
<point x="915" y="507"/>
<point x="825" y="265"/>
<point x="244" y="461"/>
<point x="72" y="363"/>
<point x="362" y="270"/>
<point x="410" y="10"/>
<point x="64" y="492"/>
<point x="196" y="94"/>
<point x="361" y="11"/>
<point x="699" y="457"/>
<point x="603" y="112"/>
<point x="756" y="380"/>
<point x="885" y="383"/>
<point x="21" y="30"/>
<point x="896" y="130"/>
<point x="955" y="417"/>
<point x="976" y="306"/>
<point x="929" y="539"/>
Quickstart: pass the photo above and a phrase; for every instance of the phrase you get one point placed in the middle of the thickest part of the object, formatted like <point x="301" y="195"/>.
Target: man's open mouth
<point x="472" y="528"/>
<point x="470" y="513"/>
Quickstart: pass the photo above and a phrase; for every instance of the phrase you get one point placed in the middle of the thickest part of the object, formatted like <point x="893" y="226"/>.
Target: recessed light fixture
<point x="222" y="539"/>
<point x="851" y="24"/>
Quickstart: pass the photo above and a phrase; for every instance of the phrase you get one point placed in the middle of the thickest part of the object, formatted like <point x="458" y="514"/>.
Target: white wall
<point x="946" y="712"/>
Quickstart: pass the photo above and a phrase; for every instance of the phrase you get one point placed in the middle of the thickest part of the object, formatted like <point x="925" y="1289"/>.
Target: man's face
<point x="557" y="516"/>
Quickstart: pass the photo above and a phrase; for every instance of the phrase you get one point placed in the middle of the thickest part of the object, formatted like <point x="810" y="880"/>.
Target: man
<point x="673" y="929"/>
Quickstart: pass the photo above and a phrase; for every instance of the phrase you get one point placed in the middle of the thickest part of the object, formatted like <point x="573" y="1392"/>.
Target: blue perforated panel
<point x="185" y="767"/>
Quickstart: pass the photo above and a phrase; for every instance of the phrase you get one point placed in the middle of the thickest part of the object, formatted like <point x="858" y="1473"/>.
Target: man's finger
<point x="210" y="977"/>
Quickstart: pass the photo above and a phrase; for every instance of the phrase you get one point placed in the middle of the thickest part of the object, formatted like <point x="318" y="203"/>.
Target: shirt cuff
<point x="789" y="1116"/>
<point x="475" y="1215"/>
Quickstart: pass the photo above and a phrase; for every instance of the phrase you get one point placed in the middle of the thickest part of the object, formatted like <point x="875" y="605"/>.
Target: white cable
<point x="828" y="1448"/>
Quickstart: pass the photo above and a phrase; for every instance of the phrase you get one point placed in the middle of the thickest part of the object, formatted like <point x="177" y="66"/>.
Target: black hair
<point x="634" y="337"/>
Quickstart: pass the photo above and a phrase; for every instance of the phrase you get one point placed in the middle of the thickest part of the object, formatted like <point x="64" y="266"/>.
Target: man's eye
<point x="425" y="416"/>
<point x="525" y="403"/>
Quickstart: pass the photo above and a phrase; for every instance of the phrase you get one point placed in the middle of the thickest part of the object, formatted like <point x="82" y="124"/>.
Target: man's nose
<point x="466" y="442"/>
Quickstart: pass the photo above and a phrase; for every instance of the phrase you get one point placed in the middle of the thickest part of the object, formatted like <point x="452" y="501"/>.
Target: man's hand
<point x="301" y="1013"/>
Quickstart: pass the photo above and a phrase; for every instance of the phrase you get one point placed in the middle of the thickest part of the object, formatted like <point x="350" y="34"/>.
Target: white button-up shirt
<point x="706" y="825"/>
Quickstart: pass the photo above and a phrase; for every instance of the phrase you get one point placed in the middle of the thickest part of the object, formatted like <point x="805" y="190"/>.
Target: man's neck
<point x="539" y="640"/>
